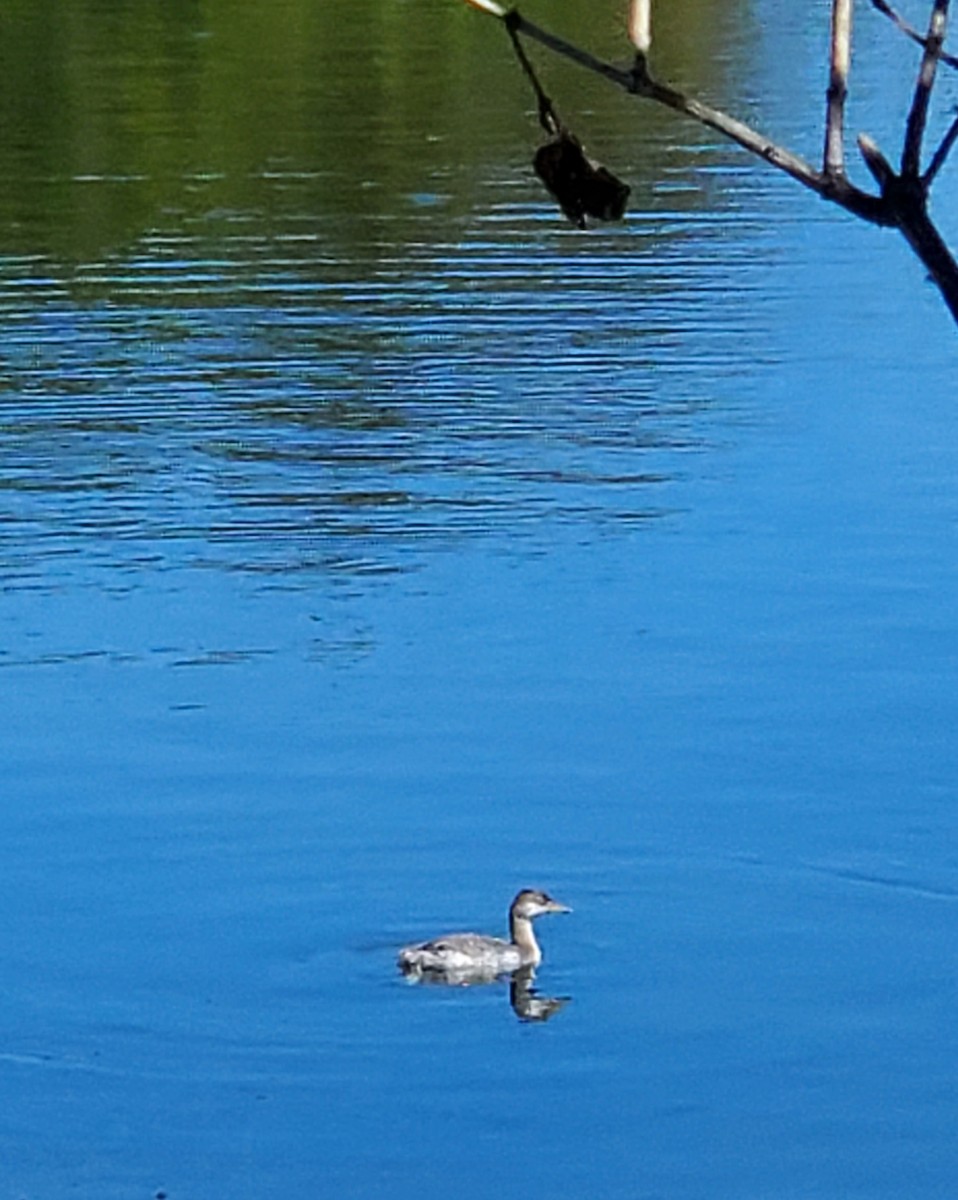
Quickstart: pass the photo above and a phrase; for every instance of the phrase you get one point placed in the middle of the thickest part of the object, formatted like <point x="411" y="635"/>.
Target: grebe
<point x="475" y="955"/>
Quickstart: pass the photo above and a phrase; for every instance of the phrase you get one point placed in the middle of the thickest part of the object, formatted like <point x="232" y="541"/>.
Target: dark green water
<point x="126" y="119"/>
<point x="373" y="543"/>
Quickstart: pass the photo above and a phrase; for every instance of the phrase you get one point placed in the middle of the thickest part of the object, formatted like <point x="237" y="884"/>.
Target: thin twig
<point x="640" y="25"/>
<point x="516" y="21"/>
<point x="488" y="6"/>
<point x="915" y="129"/>
<point x="903" y="199"/>
<point x="909" y="30"/>
<point x="840" y="59"/>
<point x="877" y="163"/>
<point x="639" y="82"/>
<point x="548" y="117"/>
<point x="938" y="158"/>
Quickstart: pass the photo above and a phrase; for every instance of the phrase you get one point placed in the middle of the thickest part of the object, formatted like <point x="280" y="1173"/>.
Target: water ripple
<point x="263" y="400"/>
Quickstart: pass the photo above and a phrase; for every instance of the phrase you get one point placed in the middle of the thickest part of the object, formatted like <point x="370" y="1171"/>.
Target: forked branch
<point x="917" y="117"/>
<point x="902" y="199"/>
<point x="639" y="82"/>
<point x="909" y="30"/>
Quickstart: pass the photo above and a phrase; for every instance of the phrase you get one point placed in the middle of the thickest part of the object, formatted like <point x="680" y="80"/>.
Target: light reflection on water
<point x="309" y="421"/>
<point x="372" y="545"/>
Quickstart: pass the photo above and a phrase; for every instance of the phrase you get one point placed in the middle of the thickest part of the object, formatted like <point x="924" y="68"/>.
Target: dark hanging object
<point x="582" y="186"/>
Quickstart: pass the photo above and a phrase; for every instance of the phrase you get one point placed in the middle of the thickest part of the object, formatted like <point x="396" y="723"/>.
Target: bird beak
<point x="556" y="907"/>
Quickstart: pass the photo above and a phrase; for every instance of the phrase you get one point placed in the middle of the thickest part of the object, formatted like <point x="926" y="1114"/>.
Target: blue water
<point x="342" y="596"/>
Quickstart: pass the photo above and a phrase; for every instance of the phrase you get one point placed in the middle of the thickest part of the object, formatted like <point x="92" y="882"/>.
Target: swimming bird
<point x="475" y="956"/>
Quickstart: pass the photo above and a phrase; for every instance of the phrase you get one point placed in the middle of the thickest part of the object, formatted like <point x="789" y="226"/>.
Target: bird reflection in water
<point x="527" y="1002"/>
<point x="468" y="959"/>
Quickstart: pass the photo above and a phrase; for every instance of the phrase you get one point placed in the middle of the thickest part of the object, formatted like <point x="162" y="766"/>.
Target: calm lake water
<point x="373" y="543"/>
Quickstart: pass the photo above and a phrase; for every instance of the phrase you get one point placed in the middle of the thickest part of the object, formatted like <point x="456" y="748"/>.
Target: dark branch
<point x="876" y="162"/>
<point x="548" y="118"/>
<point x="903" y="199"/>
<point x="517" y="23"/>
<point x="915" y="129"/>
<point x="938" y="158"/>
<point x="910" y="31"/>
<point x="639" y="82"/>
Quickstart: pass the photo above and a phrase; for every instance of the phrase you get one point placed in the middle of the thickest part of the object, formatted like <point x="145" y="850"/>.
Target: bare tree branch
<point x="840" y="59"/>
<point x="938" y="158"/>
<point x="548" y="118"/>
<point x="514" y="20"/>
<point x="915" y="129"/>
<point x="639" y="82"/>
<point x="903" y="199"/>
<point x="911" y="31"/>
<point x="906" y="199"/>
<point x="640" y="25"/>
<point x="876" y="162"/>
<point x="488" y="6"/>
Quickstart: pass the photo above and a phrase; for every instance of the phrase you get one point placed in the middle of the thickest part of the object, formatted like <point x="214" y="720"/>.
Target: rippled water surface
<point x="373" y="543"/>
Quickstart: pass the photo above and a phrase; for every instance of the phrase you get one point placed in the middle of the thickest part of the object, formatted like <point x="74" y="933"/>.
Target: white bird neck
<point x="520" y="929"/>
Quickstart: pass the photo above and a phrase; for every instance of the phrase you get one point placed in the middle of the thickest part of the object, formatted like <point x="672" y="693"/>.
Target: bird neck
<point x="520" y="929"/>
